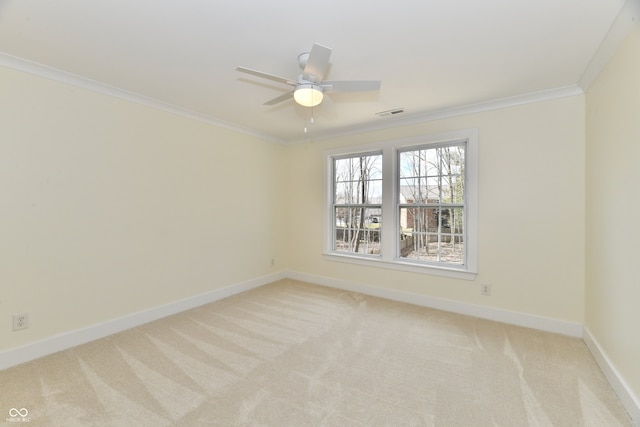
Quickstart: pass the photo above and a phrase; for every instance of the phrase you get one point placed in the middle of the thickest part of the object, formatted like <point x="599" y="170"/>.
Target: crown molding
<point x="624" y="22"/>
<point x="55" y="74"/>
<point x="417" y="118"/>
<point x="62" y="76"/>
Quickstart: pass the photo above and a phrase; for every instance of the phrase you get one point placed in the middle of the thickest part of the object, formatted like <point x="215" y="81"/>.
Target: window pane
<point x="419" y="220"/>
<point x="433" y="177"/>
<point x="358" y="180"/>
<point x="453" y="189"/>
<point x="374" y="192"/>
<point x="358" y="230"/>
<point x="457" y="221"/>
<point x="408" y="190"/>
<point x="452" y="160"/>
<point x="434" y="187"/>
<point x="343" y="193"/>
<point x="445" y="247"/>
<point x="432" y="161"/>
<point x="348" y="193"/>
<point x="419" y="163"/>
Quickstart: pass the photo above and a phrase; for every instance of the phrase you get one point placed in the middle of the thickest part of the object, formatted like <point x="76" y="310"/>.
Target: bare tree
<point x="363" y="184"/>
<point x="353" y="193"/>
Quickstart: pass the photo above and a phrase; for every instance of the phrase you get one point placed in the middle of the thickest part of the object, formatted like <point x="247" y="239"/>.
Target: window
<point x="431" y="203"/>
<point x="408" y="204"/>
<point x="357" y="203"/>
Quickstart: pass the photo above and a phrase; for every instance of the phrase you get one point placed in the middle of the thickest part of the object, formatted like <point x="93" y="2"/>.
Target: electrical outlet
<point x="20" y="321"/>
<point x="485" y="289"/>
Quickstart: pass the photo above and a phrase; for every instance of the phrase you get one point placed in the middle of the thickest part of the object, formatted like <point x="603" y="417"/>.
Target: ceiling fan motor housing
<point x="302" y="59"/>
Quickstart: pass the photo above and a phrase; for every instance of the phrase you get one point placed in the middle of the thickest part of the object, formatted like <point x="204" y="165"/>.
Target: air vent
<point x="390" y="112"/>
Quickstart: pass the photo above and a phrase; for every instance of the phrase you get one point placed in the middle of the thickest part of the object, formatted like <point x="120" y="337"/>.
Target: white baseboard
<point x="53" y="344"/>
<point x="630" y="401"/>
<point x="499" y="315"/>
<point x="35" y="350"/>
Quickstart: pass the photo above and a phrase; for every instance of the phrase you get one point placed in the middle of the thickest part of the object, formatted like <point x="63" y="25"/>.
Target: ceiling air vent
<point x="390" y="112"/>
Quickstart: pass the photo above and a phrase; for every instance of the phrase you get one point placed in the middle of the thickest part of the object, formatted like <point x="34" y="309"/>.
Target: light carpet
<point x="295" y="354"/>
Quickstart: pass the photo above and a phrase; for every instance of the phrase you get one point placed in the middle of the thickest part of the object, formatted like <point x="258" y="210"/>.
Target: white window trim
<point x="390" y="220"/>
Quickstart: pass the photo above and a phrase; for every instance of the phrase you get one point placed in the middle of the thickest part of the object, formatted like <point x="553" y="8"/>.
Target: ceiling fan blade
<point x="280" y="98"/>
<point x="351" y="85"/>
<point x="266" y="76"/>
<point x="317" y="63"/>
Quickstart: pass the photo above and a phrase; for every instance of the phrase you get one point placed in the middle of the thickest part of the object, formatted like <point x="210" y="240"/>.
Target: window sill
<point x="457" y="273"/>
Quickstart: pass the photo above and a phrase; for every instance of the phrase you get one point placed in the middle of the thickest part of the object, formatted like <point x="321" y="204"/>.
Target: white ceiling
<point x="430" y="55"/>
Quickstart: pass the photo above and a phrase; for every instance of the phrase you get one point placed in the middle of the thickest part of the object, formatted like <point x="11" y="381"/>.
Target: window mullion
<point x="389" y="215"/>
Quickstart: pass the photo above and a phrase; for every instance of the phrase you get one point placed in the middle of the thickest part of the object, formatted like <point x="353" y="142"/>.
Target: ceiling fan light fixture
<point x="308" y="95"/>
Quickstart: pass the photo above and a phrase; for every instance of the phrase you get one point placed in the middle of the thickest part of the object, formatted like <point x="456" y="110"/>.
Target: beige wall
<point x="108" y="207"/>
<point x="531" y="225"/>
<point x="613" y="210"/>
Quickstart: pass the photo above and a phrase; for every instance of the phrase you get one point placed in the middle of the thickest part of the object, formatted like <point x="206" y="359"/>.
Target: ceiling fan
<point x="309" y="88"/>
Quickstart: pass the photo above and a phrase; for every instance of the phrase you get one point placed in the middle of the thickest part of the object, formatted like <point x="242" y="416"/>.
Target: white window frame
<point x="333" y="205"/>
<point x="388" y="257"/>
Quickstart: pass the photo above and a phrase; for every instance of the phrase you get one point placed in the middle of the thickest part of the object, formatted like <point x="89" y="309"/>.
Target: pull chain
<point x="311" y="121"/>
